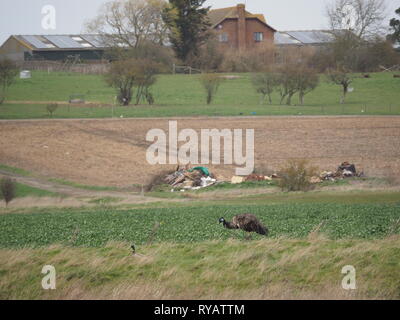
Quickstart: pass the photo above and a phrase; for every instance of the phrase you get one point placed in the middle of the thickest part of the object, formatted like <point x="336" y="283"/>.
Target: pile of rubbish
<point x="190" y="179"/>
<point x="345" y="170"/>
<point x="252" y="177"/>
<point x="200" y="177"/>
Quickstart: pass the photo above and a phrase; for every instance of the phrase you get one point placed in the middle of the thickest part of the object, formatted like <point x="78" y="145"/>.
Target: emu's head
<point x="221" y="220"/>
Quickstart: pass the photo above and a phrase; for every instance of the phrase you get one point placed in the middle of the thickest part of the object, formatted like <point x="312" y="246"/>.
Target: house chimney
<point x="241" y="8"/>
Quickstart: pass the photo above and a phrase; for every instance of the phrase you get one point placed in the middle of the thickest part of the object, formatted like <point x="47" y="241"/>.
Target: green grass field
<point x="182" y="95"/>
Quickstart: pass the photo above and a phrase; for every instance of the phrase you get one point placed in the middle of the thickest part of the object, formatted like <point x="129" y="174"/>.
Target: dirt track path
<point x="44" y="184"/>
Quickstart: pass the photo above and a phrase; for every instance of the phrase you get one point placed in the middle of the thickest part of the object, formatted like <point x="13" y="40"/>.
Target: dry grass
<point x="265" y="269"/>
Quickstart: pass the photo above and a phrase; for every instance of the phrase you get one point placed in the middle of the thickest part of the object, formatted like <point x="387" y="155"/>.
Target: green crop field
<point x="96" y="227"/>
<point x="182" y="95"/>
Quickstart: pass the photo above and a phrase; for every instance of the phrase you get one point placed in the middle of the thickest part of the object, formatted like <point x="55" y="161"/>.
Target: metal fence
<point x="53" y="66"/>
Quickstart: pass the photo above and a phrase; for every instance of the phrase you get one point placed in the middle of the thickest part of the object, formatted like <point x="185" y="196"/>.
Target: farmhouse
<point x="52" y="47"/>
<point x="238" y="28"/>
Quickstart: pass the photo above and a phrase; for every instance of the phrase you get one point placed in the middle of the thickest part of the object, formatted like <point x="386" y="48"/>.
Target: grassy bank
<point x="23" y="190"/>
<point x="264" y="269"/>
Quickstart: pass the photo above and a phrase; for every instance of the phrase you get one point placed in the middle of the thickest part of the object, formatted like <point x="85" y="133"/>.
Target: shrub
<point x="250" y="60"/>
<point x="211" y="84"/>
<point x="51" y="108"/>
<point x="307" y="81"/>
<point x="296" y="175"/>
<point x="157" y="183"/>
<point x="7" y="188"/>
<point x="265" y="83"/>
<point x="139" y="73"/>
<point x="342" y="77"/>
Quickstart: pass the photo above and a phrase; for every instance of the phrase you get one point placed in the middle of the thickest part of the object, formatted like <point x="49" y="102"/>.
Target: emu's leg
<point x="247" y="236"/>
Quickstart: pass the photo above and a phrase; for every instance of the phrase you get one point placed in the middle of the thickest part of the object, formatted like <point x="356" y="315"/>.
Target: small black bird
<point x="247" y="222"/>
<point x="133" y="249"/>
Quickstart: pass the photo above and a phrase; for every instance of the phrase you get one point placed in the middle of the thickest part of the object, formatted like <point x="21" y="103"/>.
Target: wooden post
<point x="114" y="103"/>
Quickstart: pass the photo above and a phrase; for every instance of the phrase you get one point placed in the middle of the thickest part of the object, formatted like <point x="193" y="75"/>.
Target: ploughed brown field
<point x="113" y="152"/>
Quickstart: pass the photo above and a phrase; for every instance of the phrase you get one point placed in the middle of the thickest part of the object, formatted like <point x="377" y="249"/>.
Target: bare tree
<point x="146" y="72"/>
<point x="51" y="108"/>
<point x="130" y="74"/>
<point x="307" y="81"/>
<point x="364" y="18"/>
<point x="342" y="77"/>
<point x="211" y="83"/>
<point x="129" y="23"/>
<point x="8" y="72"/>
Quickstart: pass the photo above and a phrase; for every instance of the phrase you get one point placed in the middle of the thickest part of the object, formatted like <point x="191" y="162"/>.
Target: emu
<point x="247" y="222"/>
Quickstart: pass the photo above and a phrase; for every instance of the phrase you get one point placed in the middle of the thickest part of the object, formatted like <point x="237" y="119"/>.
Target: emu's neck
<point x="229" y="225"/>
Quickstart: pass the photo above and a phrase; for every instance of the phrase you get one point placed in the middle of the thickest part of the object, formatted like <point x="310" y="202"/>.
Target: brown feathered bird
<point x="247" y="222"/>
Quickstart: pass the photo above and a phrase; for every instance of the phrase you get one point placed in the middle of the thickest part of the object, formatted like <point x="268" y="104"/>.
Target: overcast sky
<point x="25" y="16"/>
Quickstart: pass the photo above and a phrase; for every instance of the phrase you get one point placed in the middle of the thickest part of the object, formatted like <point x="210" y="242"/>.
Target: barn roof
<point x="216" y="16"/>
<point x="61" y="42"/>
<point x="305" y="37"/>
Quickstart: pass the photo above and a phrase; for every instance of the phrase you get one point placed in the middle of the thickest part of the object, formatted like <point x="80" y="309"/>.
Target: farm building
<point x="238" y="28"/>
<point x="303" y="38"/>
<point x="52" y="47"/>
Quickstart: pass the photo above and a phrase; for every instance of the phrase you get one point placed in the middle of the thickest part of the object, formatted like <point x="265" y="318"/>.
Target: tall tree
<point x="364" y="18"/>
<point x="188" y="25"/>
<point x="8" y="73"/>
<point x="395" y="26"/>
<point x="130" y="23"/>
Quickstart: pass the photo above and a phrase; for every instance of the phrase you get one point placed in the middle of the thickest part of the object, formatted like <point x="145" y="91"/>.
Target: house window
<point x="258" y="36"/>
<point x="223" y="37"/>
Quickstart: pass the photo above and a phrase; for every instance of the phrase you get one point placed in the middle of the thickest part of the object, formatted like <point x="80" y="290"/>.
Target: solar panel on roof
<point x="284" y="38"/>
<point x="95" y="40"/>
<point x="63" y="42"/>
<point x="301" y="36"/>
<point x="35" y="42"/>
<point x="310" y="37"/>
